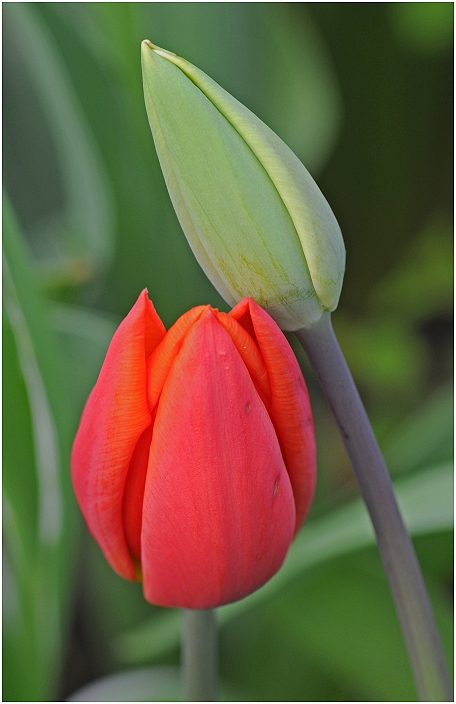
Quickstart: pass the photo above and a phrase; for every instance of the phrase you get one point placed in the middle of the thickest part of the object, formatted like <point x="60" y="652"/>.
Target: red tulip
<point x="194" y="462"/>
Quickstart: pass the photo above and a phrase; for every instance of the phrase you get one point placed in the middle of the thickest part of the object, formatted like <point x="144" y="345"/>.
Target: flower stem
<point x="395" y="546"/>
<point x="199" y="655"/>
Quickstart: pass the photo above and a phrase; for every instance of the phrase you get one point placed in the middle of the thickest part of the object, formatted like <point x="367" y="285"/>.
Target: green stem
<point x="199" y="655"/>
<point x="395" y="546"/>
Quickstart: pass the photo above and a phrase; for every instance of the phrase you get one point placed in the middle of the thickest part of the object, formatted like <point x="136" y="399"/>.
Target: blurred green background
<point x="363" y="94"/>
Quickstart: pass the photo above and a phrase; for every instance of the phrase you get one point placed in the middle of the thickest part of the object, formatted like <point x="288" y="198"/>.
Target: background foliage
<point x="363" y="93"/>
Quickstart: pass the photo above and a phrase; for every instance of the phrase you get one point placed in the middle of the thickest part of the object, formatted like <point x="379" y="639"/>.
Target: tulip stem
<point x="199" y="655"/>
<point x="395" y="546"/>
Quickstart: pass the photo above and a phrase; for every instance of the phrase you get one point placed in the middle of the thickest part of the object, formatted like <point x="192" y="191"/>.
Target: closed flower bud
<point x="194" y="462"/>
<point x="255" y="219"/>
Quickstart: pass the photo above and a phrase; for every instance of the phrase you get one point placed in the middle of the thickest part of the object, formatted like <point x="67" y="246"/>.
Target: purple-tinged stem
<point x="395" y="546"/>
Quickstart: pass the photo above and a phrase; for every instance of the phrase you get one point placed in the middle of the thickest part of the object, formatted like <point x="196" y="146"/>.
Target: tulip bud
<point x="255" y="219"/>
<point x="194" y="461"/>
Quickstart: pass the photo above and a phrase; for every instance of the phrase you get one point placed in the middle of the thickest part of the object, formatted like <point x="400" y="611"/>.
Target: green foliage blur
<point x="362" y="92"/>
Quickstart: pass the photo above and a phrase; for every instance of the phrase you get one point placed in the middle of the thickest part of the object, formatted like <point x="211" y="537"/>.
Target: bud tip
<point x="147" y="43"/>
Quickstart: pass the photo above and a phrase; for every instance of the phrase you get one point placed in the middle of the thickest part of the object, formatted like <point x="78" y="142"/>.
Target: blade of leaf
<point x="84" y="337"/>
<point x="424" y="437"/>
<point x="351" y="633"/>
<point x="89" y="203"/>
<point x="17" y="448"/>
<point x="161" y="684"/>
<point x="43" y="578"/>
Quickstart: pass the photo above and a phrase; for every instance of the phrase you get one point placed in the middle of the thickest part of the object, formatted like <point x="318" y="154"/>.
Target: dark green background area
<point x="363" y="93"/>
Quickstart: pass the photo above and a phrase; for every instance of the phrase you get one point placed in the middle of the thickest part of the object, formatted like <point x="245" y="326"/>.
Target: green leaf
<point x="425" y="437"/>
<point x="84" y="336"/>
<point x="39" y="516"/>
<point x="19" y="478"/>
<point x="83" y="242"/>
<point x="154" y="684"/>
<point x="351" y="633"/>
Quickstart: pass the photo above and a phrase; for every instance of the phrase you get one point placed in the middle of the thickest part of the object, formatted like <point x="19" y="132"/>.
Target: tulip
<point x="194" y="461"/>
<point x="255" y="219"/>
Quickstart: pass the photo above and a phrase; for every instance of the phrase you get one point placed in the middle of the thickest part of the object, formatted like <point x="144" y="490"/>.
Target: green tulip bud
<point x="255" y="219"/>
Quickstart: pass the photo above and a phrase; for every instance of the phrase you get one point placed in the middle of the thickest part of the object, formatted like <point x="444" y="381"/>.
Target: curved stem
<point x="199" y="655"/>
<point x="395" y="546"/>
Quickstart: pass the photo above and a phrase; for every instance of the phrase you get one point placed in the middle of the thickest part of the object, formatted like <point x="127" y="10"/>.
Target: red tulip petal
<point x="250" y="353"/>
<point x="133" y="495"/>
<point x="219" y="511"/>
<point x="163" y="357"/>
<point x="114" y="418"/>
<point x="290" y="406"/>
